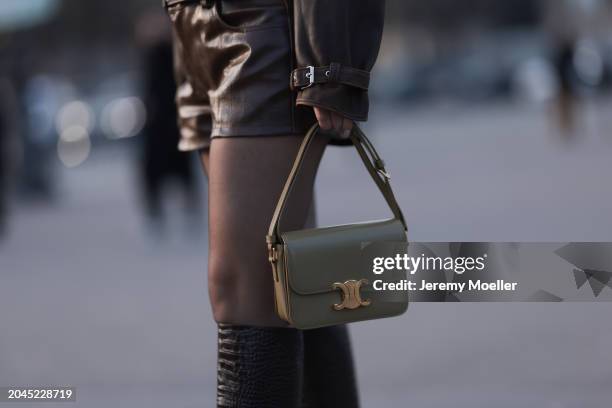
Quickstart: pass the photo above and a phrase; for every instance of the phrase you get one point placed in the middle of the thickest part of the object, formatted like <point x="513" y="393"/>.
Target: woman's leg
<point x="257" y="366"/>
<point x="245" y="178"/>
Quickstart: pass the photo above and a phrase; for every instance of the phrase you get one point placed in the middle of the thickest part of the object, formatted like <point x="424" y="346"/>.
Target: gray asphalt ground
<point x="88" y="298"/>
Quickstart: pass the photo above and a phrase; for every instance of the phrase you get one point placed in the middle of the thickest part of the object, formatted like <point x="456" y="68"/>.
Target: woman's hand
<point x="329" y="120"/>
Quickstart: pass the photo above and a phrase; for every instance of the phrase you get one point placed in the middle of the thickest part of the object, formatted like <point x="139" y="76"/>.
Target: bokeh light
<point x="74" y="113"/>
<point x="535" y="80"/>
<point x="589" y="63"/>
<point x="123" y="117"/>
<point x="73" y="146"/>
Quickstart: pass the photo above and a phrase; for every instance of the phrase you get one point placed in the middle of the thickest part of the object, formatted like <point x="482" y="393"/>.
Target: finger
<point x="347" y="126"/>
<point x="337" y="122"/>
<point x="323" y="117"/>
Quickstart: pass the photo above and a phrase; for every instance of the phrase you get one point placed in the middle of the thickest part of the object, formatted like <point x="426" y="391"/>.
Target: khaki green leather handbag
<point x="321" y="276"/>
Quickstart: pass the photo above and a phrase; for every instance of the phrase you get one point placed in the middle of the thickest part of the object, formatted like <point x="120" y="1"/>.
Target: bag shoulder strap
<point x="372" y="161"/>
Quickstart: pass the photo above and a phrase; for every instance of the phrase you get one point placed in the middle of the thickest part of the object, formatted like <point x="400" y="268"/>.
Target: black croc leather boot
<point x="259" y="367"/>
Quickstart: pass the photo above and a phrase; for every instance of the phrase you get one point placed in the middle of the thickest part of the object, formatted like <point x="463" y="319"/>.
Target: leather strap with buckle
<point x="333" y="73"/>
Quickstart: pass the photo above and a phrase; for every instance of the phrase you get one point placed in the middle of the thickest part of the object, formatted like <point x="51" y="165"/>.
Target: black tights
<point x="285" y="368"/>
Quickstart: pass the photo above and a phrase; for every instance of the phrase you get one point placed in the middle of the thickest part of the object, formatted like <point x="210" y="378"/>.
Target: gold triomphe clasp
<point x="351" y="296"/>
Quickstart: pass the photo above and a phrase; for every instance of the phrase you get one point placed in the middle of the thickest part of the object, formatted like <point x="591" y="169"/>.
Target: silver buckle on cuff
<point x="311" y="76"/>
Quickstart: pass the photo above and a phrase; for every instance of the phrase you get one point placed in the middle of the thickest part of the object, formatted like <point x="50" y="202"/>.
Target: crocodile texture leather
<point x="285" y="368"/>
<point x="259" y="367"/>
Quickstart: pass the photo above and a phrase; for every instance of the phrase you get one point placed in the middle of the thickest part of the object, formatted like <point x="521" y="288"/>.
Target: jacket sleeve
<point x="345" y="34"/>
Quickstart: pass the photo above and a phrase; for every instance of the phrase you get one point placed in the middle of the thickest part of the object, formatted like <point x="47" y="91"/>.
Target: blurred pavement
<point x="87" y="299"/>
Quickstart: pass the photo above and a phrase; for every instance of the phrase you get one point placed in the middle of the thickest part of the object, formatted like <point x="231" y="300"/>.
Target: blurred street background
<point x="495" y="119"/>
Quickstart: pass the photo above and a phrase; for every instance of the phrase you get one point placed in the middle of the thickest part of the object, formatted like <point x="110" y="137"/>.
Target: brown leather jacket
<point x="338" y="41"/>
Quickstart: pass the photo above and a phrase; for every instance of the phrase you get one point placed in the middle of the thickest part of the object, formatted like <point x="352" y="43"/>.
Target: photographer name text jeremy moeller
<point x="498" y="285"/>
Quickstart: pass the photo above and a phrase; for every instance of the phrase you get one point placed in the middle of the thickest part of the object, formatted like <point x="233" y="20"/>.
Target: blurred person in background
<point x="566" y="100"/>
<point x="240" y="108"/>
<point x="3" y="171"/>
<point x="161" y="162"/>
<point x="8" y="145"/>
<point x="42" y="97"/>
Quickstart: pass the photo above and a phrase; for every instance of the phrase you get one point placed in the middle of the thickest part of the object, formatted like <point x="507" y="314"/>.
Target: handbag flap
<point x="317" y="258"/>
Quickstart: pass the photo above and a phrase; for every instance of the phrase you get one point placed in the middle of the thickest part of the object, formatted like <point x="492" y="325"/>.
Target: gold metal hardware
<point x="351" y="296"/>
<point x="272" y="254"/>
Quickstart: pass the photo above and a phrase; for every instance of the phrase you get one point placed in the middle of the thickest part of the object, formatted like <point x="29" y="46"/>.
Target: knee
<point x="223" y="281"/>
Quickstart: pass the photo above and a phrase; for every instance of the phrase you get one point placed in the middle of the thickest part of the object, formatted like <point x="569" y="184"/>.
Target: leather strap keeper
<point x="333" y="73"/>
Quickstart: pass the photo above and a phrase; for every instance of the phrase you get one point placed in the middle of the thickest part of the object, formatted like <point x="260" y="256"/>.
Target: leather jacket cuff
<point x="333" y="73"/>
<point x="349" y="101"/>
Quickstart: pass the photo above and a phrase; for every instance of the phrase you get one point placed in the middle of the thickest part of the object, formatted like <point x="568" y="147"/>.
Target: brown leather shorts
<point x="233" y="60"/>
